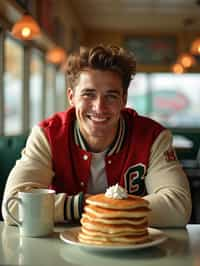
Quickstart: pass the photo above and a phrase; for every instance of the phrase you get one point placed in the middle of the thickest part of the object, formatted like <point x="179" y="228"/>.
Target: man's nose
<point x="100" y="103"/>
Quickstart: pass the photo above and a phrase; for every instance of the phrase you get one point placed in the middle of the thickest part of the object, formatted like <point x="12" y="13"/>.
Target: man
<point x="98" y="143"/>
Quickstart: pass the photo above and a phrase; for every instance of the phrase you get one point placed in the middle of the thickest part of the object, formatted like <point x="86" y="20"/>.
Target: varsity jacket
<point x="127" y="166"/>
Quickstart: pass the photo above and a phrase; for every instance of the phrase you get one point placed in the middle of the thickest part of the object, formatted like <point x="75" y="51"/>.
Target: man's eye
<point x="88" y="95"/>
<point x="112" y="96"/>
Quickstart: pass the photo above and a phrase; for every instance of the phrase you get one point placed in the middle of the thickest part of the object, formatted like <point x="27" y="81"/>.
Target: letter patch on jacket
<point x="134" y="179"/>
<point x="170" y="155"/>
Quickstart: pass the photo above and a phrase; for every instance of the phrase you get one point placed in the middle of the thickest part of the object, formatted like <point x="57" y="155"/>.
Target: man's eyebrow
<point x="113" y="91"/>
<point x="88" y="90"/>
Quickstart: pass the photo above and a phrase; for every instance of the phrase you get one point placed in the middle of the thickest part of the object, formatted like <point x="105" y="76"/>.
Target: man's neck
<point x="98" y="144"/>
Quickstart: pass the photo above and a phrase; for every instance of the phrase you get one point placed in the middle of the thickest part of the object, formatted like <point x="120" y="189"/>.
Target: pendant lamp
<point x="177" y="68"/>
<point x="195" y="47"/>
<point x="56" y="55"/>
<point x="186" y="60"/>
<point x="26" y="28"/>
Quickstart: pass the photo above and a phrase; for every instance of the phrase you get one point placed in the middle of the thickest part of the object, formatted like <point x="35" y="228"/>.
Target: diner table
<point x="182" y="247"/>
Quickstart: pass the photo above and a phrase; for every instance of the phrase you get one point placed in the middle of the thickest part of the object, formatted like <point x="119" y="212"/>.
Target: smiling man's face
<point x="98" y="99"/>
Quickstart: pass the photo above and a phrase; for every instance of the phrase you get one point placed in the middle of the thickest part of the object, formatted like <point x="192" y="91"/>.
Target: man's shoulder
<point x="58" y="119"/>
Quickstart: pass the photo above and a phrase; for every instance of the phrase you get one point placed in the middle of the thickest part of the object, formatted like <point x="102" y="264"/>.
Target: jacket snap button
<point x="85" y="157"/>
<point x="82" y="184"/>
<point x="109" y="162"/>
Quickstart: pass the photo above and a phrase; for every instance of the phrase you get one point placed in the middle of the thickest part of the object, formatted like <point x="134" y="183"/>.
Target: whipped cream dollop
<point x="116" y="192"/>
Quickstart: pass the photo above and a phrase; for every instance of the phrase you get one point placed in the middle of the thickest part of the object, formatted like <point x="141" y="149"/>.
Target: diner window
<point x="36" y="87"/>
<point x="61" y="92"/>
<point x="50" y="99"/>
<point x="171" y="99"/>
<point x="137" y="94"/>
<point x="13" y="84"/>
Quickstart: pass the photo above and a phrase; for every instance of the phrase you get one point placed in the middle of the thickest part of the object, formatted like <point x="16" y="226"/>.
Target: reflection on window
<point x="13" y="80"/>
<point x="172" y="99"/>
<point x="61" y="99"/>
<point x="50" y="91"/>
<point x="36" y="70"/>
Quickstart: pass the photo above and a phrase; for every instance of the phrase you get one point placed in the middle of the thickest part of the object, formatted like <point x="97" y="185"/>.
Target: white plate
<point x="69" y="236"/>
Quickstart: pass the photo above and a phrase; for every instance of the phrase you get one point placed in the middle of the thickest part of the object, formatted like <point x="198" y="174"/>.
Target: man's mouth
<point x="98" y="119"/>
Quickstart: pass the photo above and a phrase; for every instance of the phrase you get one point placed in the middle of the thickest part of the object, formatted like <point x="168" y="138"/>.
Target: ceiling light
<point x="26" y="28"/>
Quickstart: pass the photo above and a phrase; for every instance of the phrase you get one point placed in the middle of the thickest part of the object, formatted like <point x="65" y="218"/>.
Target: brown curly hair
<point x="110" y="58"/>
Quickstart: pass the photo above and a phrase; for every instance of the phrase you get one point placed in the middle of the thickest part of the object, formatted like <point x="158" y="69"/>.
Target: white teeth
<point x="97" y="119"/>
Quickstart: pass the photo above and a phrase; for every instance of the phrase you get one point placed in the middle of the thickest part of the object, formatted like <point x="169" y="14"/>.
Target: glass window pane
<point x="13" y="83"/>
<point x="171" y="99"/>
<point x="176" y="99"/>
<point x="50" y="91"/>
<point x="36" y="71"/>
<point x="61" y="97"/>
<point x="137" y="94"/>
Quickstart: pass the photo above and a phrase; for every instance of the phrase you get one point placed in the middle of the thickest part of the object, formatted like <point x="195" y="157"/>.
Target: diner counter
<point x="181" y="248"/>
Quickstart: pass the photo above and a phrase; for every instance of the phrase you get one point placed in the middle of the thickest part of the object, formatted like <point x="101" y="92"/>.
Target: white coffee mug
<point x="36" y="212"/>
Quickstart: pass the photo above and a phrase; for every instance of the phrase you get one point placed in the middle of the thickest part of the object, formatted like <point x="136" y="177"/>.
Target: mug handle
<point x="14" y="219"/>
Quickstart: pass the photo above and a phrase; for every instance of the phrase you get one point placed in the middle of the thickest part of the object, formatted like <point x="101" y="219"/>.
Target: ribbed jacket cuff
<point x="73" y="207"/>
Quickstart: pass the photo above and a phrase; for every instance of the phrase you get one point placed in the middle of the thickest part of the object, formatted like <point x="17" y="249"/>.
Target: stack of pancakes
<point x="108" y="221"/>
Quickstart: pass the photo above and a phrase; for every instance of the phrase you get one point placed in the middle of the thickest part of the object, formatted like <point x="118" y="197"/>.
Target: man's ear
<point x="70" y="95"/>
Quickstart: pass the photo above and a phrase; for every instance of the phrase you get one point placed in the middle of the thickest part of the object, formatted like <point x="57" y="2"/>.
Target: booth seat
<point x="190" y="160"/>
<point x="10" y="151"/>
<point x="193" y="135"/>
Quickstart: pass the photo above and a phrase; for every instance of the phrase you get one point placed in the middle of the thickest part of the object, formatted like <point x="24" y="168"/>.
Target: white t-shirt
<point x="98" y="180"/>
